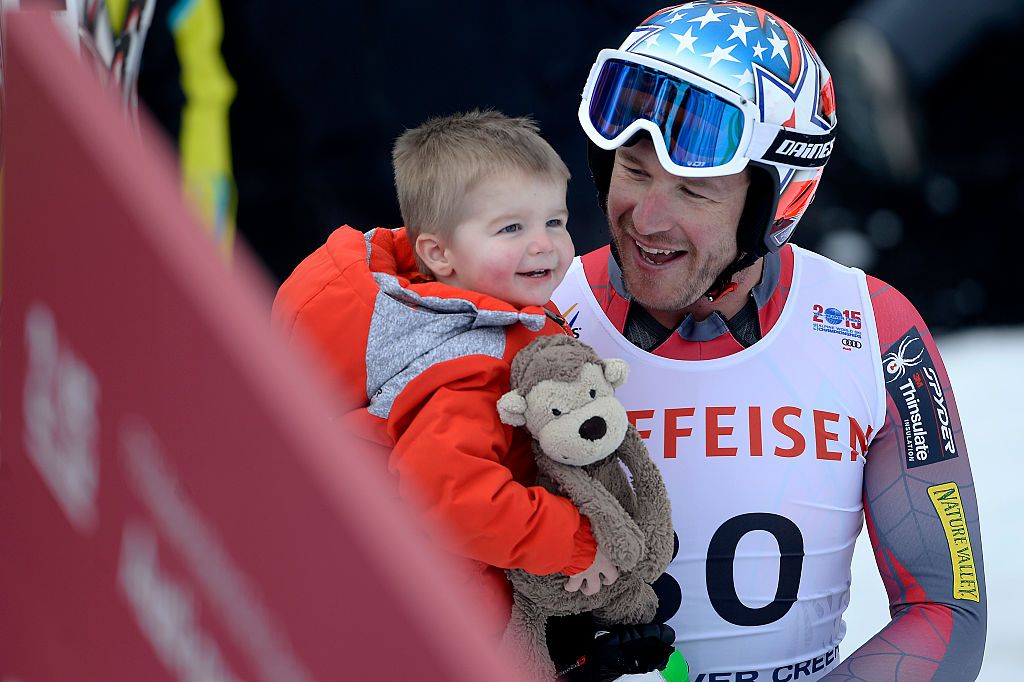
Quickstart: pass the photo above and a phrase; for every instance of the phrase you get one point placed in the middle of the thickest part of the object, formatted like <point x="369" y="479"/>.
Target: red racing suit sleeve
<point x="922" y="515"/>
<point x="453" y="455"/>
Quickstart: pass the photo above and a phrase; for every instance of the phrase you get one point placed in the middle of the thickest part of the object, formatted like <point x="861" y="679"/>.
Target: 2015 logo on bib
<point x="844" y="323"/>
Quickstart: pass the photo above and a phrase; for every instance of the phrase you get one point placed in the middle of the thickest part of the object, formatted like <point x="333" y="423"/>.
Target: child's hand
<point x="601" y="572"/>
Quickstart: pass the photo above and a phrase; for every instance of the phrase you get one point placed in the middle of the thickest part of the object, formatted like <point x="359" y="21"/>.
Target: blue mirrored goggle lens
<point x="700" y="129"/>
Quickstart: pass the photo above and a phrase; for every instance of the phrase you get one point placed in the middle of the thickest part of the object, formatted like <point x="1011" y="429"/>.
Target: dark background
<point x="325" y="87"/>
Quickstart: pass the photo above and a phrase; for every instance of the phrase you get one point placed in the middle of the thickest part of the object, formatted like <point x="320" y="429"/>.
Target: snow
<point x="986" y="368"/>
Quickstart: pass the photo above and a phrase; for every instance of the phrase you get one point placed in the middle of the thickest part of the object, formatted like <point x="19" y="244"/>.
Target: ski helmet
<point x="719" y="86"/>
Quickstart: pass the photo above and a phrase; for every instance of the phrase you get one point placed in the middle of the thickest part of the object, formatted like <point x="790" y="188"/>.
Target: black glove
<point x="583" y="653"/>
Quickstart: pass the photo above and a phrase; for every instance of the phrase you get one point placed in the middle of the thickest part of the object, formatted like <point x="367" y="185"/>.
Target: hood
<point x="416" y="322"/>
<point x="389" y="258"/>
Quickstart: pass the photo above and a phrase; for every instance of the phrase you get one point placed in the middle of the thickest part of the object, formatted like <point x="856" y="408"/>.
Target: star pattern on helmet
<point x="740" y="31"/>
<point x="720" y="53"/>
<point x="779" y="46"/>
<point x="731" y="40"/>
<point x="686" y="40"/>
<point x="708" y="17"/>
<point x="746" y="77"/>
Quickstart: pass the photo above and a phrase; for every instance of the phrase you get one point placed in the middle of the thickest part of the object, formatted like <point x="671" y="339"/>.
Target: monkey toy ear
<point x="512" y="409"/>
<point x="616" y="371"/>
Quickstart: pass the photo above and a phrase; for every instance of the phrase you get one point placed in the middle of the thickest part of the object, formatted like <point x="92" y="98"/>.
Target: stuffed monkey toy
<point x="563" y="393"/>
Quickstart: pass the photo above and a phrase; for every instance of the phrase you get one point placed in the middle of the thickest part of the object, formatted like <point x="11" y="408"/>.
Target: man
<point x="784" y="396"/>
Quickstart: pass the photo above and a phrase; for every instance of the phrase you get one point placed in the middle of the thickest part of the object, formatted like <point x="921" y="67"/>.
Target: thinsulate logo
<point x="916" y="389"/>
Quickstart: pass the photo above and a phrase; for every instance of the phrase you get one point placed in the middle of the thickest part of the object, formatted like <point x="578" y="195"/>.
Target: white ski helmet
<point x="719" y="86"/>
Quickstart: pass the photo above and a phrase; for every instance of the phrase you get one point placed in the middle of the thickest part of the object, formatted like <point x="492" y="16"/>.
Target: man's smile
<point x="655" y="256"/>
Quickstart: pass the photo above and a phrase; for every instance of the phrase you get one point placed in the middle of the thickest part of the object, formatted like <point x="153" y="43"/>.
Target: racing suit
<point x="776" y="453"/>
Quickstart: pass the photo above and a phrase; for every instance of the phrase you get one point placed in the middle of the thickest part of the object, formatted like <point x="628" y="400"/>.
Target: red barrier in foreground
<point x="174" y="501"/>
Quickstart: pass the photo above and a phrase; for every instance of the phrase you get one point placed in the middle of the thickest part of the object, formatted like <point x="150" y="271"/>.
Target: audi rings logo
<point x="852" y="343"/>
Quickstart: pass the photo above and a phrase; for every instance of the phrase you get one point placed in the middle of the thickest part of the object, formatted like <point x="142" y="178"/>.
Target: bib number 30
<point x="721" y="578"/>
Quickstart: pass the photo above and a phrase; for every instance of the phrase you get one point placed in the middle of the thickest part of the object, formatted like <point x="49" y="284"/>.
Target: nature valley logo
<point x="948" y="505"/>
<point x="571" y="315"/>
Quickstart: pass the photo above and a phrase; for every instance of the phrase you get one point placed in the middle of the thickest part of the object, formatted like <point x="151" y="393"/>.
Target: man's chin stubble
<point x="629" y="272"/>
<point x="673" y="305"/>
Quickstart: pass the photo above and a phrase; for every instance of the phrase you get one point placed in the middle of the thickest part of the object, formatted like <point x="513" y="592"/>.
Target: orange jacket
<point x="420" y="366"/>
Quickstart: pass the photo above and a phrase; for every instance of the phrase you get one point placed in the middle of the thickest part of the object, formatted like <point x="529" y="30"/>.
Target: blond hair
<point x="437" y="163"/>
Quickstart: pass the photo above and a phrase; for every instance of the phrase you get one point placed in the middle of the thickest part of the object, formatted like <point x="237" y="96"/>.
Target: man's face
<point x="695" y="219"/>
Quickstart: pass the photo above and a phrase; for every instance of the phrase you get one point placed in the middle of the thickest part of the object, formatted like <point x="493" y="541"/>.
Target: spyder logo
<point x="897" y="362"/>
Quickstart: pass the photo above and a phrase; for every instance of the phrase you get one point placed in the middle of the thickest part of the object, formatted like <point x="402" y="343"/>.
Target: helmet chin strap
<point x="723" y="284"/>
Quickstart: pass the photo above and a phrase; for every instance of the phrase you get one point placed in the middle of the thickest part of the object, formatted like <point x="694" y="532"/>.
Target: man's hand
<point x="622" y="650"/>
<point x="601" y="572"/>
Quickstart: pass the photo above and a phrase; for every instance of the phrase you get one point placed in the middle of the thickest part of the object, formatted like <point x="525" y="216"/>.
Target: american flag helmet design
<point x="755" y="57"/>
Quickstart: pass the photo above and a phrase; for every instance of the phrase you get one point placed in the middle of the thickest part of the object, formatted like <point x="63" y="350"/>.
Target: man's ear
<point x="512" y="409"/>
<point x="615" y="371"/>
<point x="431" y="248"/>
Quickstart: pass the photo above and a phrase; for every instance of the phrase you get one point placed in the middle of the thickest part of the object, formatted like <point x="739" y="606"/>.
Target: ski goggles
<point x="699" y="128"/>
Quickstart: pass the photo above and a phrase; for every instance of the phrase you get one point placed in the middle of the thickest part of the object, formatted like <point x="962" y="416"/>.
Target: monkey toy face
<point x="575" y="422"/>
